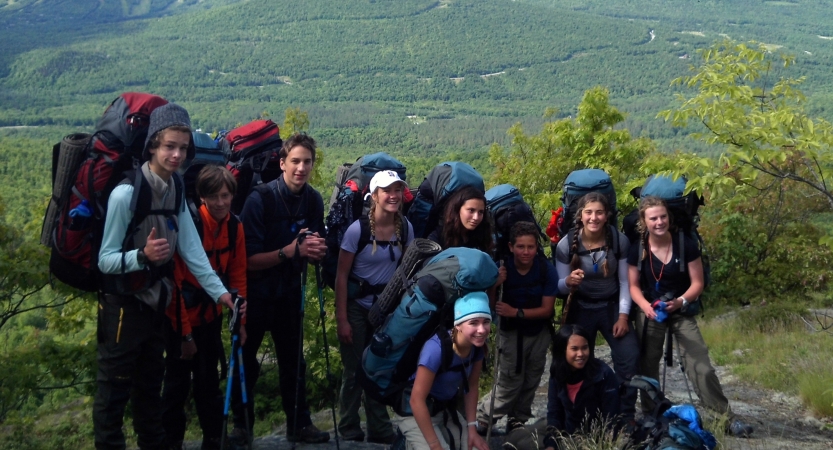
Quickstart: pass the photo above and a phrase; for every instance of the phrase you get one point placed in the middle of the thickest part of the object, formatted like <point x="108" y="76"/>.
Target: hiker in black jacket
<point x="583" y="389"/>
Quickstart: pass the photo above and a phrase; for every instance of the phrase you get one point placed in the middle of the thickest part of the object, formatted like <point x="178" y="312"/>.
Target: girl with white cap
<point x="436" y="424"/>
<point x="370" y="251"/>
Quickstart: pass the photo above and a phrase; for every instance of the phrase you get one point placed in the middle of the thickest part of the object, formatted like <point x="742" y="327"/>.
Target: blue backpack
<point x="577" y="185"/>
<point x="207" y="153"/>
<point x="444" y="179"/>
<point x="426" y="309"/>
<point x="347" y="204"/>
<point x="507" y="207"/>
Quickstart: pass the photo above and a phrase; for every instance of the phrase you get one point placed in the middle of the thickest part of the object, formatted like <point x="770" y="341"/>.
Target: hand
<point x="501" y="275"/>
<point x="504" y="310"/>
<point x="649" y="311"/>
<point x="188" y="350"/>
<point x="344" y="331"/>
<point x="156" y="249"/>
<point x="673" y="305"/>
<point x="243" y="335"/>
<point x="227" y="300"/>
<point x="476" y="440"/>
<point x="312" y="247"/>
<point x="621" y="328"/>
<point x="574" y="278"/>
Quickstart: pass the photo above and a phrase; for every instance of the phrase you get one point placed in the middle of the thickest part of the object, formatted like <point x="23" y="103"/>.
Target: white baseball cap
<point x="385" y="178"/>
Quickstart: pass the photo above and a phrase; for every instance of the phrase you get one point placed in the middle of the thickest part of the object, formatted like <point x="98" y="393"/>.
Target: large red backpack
<point x="81" y="197"/>
<point x="253" y="157"/>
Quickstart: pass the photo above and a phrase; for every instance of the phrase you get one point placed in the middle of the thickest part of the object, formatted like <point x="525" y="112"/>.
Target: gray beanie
<point x="166" y="116"/>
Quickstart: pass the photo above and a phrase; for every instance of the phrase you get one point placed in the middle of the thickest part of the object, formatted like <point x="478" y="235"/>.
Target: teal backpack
<point x="426" y="308"/>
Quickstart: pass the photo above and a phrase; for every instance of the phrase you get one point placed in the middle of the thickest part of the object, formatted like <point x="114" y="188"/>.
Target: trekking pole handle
<point x="235" y="320"/>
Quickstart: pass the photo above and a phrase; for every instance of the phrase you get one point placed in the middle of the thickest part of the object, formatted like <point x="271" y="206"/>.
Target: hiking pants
<point x="516" y="391"/>
<point x="450" y="427"/>
<point x="624" y="350"/>
<point x="695" y="357"/>
<point x="131" y="365"/>
<point x="285" y="329"/>
<point x="208" y="399"/>
<point x="350" y="397"/>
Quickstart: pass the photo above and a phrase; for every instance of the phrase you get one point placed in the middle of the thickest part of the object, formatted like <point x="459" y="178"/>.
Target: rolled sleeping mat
<point x="418" y="252"/>
<point x="66" y="158"/>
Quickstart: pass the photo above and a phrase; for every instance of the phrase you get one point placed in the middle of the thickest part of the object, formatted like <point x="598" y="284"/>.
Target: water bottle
<point x="381" y="345"/>
<point x="80" y="216"/>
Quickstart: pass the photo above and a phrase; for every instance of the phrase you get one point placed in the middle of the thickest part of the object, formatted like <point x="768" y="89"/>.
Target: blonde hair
<point x="397" y="222"/>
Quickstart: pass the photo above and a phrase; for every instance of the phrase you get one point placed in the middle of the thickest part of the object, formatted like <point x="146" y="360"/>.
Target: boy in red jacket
<point x="194" y="346"/>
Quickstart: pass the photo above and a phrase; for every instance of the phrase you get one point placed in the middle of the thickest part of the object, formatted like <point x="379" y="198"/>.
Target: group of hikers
<point x="160" y="342"/>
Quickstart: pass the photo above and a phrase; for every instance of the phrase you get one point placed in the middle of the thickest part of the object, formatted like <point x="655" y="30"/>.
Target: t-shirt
<point x="526" y="291"/>
<point x="373" y="268"/>
<point x="595" y="285"/>
<point x="446" y="383"/>
<point x="656" y="280"/>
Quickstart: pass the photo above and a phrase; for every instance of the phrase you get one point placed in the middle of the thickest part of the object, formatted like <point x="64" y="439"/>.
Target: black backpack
<point x="507" y="207"/>
<point x="348" y="204"/>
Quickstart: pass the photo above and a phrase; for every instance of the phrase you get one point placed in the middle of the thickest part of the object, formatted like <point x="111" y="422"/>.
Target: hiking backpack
<point x="507" y="207"/>
<point x="426" y="212"/>
<point x="683" y="209"/>
<point x="577" y="185"/>
<point x="254" y="157"/>
<point x="348" y="204"/>
<point x="83" y="181"/>
<point x="426" y="308"/>
<point x="207" y="153"/>
<point x="668" y="426"/>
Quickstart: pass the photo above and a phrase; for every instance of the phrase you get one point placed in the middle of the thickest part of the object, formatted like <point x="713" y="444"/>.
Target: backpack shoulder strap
<point x="364" y="236"/>
<point x="233" y="224"/>
<point x="268" y="197"/>
<point x="682" y="251"/>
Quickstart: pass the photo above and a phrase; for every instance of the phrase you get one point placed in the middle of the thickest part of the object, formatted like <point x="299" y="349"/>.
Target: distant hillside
<point x="462" y="70"/>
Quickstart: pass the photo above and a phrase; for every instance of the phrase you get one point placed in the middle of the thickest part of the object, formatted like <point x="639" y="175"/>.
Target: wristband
<point x="472" y="424"/>
<point x="685" y="302"/>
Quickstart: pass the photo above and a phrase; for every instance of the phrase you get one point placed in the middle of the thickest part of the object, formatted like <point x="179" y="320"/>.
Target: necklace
<point x="592" y="249"/>
<point x="596" y="258"/>
<point x="295" y="222"/>
<point x="661" y="270"/>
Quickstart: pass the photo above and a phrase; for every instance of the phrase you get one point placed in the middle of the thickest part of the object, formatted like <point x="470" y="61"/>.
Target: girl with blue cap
<point x="435" y="423"/>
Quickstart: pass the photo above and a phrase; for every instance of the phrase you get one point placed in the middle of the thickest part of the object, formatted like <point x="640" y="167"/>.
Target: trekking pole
<point x="301" y="238"/>
<point x="497" y="368"/>
<point x="322" y="314"/>
<point x="682" y="369"/>
<point x="669" y="354"/>
<point x="236" y="354"/>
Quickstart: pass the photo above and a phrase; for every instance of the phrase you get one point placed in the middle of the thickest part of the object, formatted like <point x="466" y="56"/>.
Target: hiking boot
<point x="357" y="437"/>
<point x="238" y="437"/>
<point x="738" y="428"/>
<point x="174" y="445"/>
<point x="387" y="440"/>
<point x="513" y="424"/>
<point x="211" y="444"/>
<point x="309" y="434"/>
<point x="550" y="438"/>
<point x="483" y="428"/>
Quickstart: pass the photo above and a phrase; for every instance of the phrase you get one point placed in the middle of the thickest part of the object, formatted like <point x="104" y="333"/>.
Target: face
<point x="475" y="331"/>
<point x="171" y="153"/>
<point x="524" y="250"/>
<point x="389" y="198"/>
<point x="594" y="217"/>
<point x="297" y="167"/>
<point x="472" y="213"/>
<point x="656" y="220"/>
<point x="218" y="204"/>
<point x="578" y="351"/>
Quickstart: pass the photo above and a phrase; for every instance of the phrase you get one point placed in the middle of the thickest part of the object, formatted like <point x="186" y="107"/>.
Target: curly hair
<point x="455" y="234"/>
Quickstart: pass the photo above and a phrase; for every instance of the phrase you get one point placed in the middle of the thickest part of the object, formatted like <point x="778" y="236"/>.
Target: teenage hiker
<point x="370" y="252"/>
<point x="435" y="422"/>
<point x="137" y="258"/>
<point x="283" y="222"/>
<point x="583" y="390"/>
<point x="194" y="345"/>
<point x="527" y="307"/>
<point x="465" y="223"/>
<point x="592" y="267"/>
<point x="661" y="285"/>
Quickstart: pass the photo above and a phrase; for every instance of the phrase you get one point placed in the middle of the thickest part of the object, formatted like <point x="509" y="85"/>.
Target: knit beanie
<point x="471" y="306"/>
<point x="167" y="116"/>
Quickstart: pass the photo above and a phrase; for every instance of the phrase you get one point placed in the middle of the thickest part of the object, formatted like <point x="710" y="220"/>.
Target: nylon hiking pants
<point x="350" y="398"/>
<point x="131" y="365"/>
<point x="695" y="357"/>
<point x="451" y="431"/>
<point x="516" y="391"/>
<point x="208" y="399"/>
